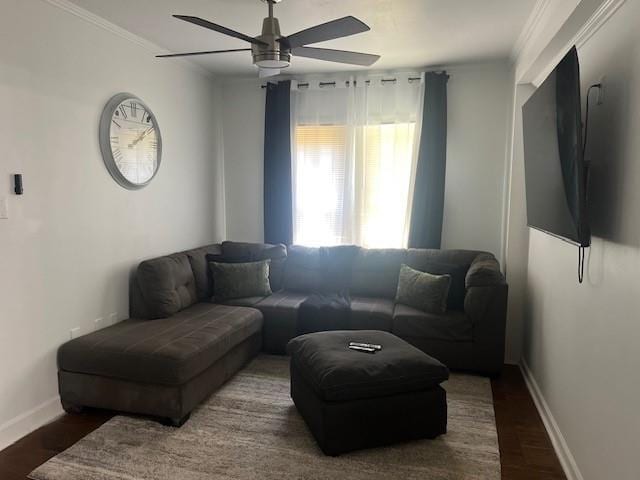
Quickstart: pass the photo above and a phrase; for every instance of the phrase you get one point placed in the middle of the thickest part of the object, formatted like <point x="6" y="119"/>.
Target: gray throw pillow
<point x="240" y="280"/>
<point x="421" y="290"/>
<point x="457" y="290"/>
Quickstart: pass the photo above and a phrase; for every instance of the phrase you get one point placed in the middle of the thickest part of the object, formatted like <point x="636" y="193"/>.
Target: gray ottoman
<point x="352" y="400"/>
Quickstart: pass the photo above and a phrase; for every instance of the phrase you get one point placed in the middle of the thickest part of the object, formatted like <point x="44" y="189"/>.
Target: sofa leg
<point x="175" y="422"/>
<point x="72" y="408"/>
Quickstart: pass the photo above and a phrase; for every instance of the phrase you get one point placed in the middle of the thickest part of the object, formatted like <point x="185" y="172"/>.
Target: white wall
<point x="478" y="108"/>
<point x="243" y="131"/>
<point x="581" y="342"/>
<point x="516" y="230"/>
<point x="72" y="239"/>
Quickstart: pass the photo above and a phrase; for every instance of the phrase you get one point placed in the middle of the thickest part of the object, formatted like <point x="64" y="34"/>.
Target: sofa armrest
<point x="487" y="308"/>
<point x="484" y="271"/>
<point x="486" y="305"/>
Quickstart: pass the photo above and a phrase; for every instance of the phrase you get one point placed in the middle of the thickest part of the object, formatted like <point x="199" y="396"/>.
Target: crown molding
<point x="141" y="42"/>
<point x="530" y="26"/>
<point x="595" y="22"/>
<point x="599" y="18"/>
<point x="90" y="17"/>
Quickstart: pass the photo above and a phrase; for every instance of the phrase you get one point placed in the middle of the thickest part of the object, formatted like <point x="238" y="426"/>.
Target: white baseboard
<point x="560" y="446"/>
<point x="25" y="423"/>
<point x="511" y="361"/>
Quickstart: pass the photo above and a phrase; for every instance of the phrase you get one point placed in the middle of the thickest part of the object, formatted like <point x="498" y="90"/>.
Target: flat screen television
<point x="555" y="171"/>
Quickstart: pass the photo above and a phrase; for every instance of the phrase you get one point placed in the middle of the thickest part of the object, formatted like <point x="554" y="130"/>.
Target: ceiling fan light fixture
<point x="272" y="60"/>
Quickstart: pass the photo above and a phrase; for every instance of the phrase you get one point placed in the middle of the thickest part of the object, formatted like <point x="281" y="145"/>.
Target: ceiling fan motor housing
<point x="274" y="54"/>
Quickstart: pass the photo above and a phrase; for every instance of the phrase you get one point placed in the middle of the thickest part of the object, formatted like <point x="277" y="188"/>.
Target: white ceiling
<point x="407" y="33"/>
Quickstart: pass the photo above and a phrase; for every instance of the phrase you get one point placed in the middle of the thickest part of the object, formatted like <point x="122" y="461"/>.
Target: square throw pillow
<point x="457" y="290"/>
<point x="240" y="280"/>
<point x="421" y="290"/>
<point x="276" y="253"/>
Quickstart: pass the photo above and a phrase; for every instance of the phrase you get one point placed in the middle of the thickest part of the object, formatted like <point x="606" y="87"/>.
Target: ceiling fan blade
<point x="190" y="54"/>
<point x="342" y="27"/>
<point x="219" y="28"/>
<point x="339" y="56"/>
<point x="268" y="72"/>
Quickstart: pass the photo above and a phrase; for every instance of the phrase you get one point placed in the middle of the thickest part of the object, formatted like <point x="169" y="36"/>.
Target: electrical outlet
<point x="600" y="98"/>
<point x="113" y="318"/>
<point x="98" y="323"/>
<point x="75" y="332"/>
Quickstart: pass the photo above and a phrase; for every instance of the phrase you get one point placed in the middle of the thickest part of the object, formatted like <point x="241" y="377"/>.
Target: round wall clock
<point x="130" y="141"/>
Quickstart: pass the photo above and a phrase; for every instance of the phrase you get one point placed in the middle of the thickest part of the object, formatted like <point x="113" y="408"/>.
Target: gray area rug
<point x="250" y="429"/>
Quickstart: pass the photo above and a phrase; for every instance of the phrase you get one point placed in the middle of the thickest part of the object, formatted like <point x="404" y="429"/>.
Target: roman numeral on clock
<point x="123" y="111"/>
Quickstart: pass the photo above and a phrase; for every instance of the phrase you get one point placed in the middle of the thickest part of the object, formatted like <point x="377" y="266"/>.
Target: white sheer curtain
<point x="354" y="155"/>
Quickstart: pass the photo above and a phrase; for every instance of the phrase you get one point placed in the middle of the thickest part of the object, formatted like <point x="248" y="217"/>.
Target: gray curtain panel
<point x="428" y="198"/>
<point x="278" y="201"/>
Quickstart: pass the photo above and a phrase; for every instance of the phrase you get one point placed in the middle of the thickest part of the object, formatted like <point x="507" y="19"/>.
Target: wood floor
<point x="525" y="449"/>
<point x="526" y="452"/>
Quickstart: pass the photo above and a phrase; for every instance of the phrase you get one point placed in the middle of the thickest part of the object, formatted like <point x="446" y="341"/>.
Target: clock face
<point x="131" y="141"/>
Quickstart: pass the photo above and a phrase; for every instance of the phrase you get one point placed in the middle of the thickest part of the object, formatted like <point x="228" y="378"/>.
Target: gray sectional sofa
<point x="178" y="346"/>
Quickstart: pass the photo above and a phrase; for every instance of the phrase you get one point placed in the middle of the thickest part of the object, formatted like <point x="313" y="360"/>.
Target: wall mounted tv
<point x="555" y="171"/>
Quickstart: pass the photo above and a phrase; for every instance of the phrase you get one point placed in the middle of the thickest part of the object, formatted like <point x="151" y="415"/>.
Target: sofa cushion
<point x="337" y="373"/>
<point x="200" y="267"/>
<point x="423" y="290"/>
<point x="282" y="302"/>
<point x="454" y="326"/>
<point x="371" y="313"/>
<point x="242" y="302"/>
<point x="303" y="271"/>
<point x="337" y="266"/>
<point x="375" y="272"/>
<point x="169" y="351"/>
<point x="324" y="311"/>
<point x="240" y="280"/>
<point x="243" y="251"/>
<point x="418" y="256"/>
<point x="167" y="285"/>
<point x="280" y="312"/>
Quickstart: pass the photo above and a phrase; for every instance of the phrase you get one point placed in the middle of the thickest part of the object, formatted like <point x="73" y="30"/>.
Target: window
<point x="386" y="179"/>
<point x="354" y="156"/>
<point x="320" y="167"/>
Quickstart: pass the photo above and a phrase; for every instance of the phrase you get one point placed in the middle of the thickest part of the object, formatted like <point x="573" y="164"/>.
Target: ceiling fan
<point x="272" y="51"/>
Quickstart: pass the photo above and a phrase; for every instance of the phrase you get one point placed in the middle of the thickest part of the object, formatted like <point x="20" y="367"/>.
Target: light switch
<point x="4" y="207"/>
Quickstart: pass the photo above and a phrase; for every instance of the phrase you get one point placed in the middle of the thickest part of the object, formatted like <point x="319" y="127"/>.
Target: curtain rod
<point x="348" y="82"/>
